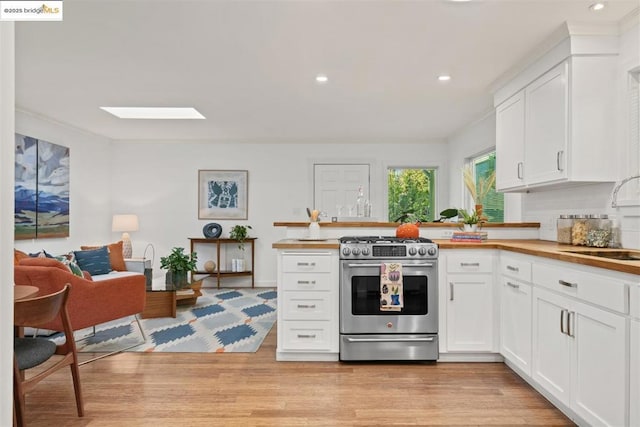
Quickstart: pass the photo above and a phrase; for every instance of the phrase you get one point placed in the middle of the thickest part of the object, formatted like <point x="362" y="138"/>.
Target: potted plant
<point x="478" y="190"/>
<point x="240" y="233"/>
<point x="178" y="265"/>
<point x="469" y="219"/>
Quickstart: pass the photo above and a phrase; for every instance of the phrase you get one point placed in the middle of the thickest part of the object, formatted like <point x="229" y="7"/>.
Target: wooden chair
<point x="31" y="352"/>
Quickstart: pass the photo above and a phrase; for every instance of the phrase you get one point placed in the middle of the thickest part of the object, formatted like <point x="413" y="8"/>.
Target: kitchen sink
<point x="620" y="255"/>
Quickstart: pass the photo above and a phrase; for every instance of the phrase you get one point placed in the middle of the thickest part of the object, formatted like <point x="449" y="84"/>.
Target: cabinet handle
<point x="309" y="336"/>
<point x="562" y="321"/>
<point x="520" y="165"/>
<point x="306" y="264"/>
<point x="306" y="306"/>
<point x="568" y="284"/>
<point x="570" y="314"/>
<point x="513" y="285"/>
<point x="559" y="155"/>
<point x="511" y="268"/>
<point x="306" y="282"/>
<point x="469" y="264"/>
<point x="450" y="291"/>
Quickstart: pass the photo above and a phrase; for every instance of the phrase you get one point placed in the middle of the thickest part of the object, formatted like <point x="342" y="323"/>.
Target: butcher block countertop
<point x="540" y="248"/>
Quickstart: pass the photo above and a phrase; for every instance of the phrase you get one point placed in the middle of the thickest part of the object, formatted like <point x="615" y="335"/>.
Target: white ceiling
<point x="249" y="66"/>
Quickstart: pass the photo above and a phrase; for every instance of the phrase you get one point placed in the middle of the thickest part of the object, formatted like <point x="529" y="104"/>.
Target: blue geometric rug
<point x="222" y="320"/>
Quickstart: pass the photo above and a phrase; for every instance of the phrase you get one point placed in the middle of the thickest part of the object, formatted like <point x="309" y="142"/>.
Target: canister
<point x="579" y="230"/>
<point x="563" y="226"/>
<point x="599" y="233"/>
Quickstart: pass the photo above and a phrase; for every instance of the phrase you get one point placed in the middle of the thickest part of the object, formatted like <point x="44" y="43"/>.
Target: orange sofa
<point x="90" y="303"/>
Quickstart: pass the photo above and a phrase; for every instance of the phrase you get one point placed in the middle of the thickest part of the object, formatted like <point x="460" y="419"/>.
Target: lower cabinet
<point x="515" y="323"/>
<point x="579" y="357"/>
<point x="470" y="319"/>
<point x="634" y="374"/>
<point x="308" y="305"/>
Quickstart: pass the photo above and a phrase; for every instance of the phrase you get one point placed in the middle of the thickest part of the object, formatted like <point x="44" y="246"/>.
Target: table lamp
<point x="125" y="223"/>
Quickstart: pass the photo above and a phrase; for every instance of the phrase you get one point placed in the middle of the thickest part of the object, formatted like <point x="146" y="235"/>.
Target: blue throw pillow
<point x="95" y="261"/>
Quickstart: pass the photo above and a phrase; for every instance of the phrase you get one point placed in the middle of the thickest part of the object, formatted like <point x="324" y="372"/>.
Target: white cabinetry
<point x="557" y="129"/>
<point x="634" y="359"/>
<point x="470" y="319"/>
<point x="515" y="312"/>
<point x="308" y="305"/>
<point x="510" y="143"/>
<point x="579" y="350"/>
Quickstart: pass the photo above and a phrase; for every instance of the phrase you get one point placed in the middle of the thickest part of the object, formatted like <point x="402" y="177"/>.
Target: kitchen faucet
<point x="614" y="193"/>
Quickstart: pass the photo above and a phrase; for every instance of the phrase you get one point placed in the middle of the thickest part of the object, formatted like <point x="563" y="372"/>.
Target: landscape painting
<point x="41" y="189"/>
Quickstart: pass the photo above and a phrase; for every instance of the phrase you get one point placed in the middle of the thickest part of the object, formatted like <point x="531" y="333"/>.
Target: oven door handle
<point x="403" y="265"/>
<point x="429" y="339"/>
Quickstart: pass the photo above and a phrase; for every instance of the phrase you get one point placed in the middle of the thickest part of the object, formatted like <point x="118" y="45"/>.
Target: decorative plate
<point x="212" y="230"/>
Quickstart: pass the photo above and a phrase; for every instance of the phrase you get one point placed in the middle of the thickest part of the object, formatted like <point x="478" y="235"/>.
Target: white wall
<point x="158" y="182"/>
<point x="7" y="102"/>
<point x="90" y="171"/>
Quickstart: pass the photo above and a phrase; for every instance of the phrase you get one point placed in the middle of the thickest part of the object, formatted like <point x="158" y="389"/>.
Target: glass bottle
<point x="564" y="224"/>
<point x="360" y="202"/>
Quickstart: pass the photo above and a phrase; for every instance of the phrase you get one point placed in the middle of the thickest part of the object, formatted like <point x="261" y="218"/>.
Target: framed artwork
<point x="41" y="188"/>
<point x="222" y="194"/>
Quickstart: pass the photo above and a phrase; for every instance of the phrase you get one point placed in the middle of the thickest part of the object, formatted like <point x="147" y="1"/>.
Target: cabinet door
<point x="469" y="312"/>
<point x="510" y="143"/>
<point x="515" y="323"/>
<point x="599" y="367"/>
<point x="546" y="133"/>
<point x="551" y="361"/>
<point x="634" y="374"/>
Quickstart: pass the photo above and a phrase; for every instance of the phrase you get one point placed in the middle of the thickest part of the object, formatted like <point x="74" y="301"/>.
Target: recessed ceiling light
<point x="597" y="6"/>
<point x="444" y="78"/>
<point x="321" y="79"/>
<point x="154" y="112"/>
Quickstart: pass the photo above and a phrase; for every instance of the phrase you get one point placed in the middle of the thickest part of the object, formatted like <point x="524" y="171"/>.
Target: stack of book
<point x="469" y="236"/>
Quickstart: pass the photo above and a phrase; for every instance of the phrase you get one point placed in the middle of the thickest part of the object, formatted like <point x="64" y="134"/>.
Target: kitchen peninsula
<point x="500" y="300"/>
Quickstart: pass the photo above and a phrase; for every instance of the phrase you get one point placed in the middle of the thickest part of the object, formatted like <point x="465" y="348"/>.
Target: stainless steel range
<point x="367" y="330"/>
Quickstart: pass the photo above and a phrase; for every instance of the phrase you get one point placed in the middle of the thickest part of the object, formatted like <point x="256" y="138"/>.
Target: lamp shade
<point x="124" y="223"/>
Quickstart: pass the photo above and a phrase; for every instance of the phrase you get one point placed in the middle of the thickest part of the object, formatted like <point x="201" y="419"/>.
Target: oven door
<point x="360" y="298"/>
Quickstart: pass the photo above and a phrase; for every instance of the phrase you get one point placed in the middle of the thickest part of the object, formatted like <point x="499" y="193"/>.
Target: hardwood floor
<point x="240" y="389"/>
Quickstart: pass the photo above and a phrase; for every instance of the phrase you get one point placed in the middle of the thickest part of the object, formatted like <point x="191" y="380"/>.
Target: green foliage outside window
<point x="411" y="194"/>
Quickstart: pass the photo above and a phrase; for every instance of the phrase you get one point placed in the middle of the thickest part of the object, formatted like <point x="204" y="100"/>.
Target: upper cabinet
<point x="555" y="121"/>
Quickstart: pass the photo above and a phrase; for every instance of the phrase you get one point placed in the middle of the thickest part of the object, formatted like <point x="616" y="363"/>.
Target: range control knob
<point x="346" y="251"/>
<point x="356" y="251"/>
<point x="432" y="251"/>
<point x="422" y="251"/>
<point x="365" y="251"/>
<point x="412" y="251"/>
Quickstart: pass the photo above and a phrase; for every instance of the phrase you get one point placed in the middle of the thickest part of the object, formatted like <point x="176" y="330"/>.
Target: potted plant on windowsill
<point x="478" y="190"/>
<point x="178" y="265"/>
<point x="470" y="220"/>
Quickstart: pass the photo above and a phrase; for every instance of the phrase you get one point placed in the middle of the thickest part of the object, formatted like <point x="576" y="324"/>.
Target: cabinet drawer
<point x="306" y="263"/>
<point x="594" y="288"/>
<point x="516" y="268"/>
<point x="307" y="282"/>
<point x="306" y="306"/>
<point x="308" y="335"/>
<point x="469" y="263"/>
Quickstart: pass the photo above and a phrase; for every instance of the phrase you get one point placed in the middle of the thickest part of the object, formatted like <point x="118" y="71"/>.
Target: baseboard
<point x="288" y="356"/>
<point x="470" y="357"/>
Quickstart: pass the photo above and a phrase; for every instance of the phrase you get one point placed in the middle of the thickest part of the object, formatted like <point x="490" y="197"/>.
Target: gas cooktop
<point x="381" y="240"/>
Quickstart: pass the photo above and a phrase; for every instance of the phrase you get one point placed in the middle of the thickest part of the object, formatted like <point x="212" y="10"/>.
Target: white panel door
<point x="510" y="143"/>
<point x="634" y="374"/>
<point x="470" y="312"/>
<point x="546" y="133"/>
<point x="551" y="361"/>
<point x="599" y="369"/>
<point x="336" y="186"/>
<point x="515" y="323"/>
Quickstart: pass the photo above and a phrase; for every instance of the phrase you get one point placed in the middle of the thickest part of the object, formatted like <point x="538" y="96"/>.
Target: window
<point x="493" y="204"/>
<point x="411" y="194"/>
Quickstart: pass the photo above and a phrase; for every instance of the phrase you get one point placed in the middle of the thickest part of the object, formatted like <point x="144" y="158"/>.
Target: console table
<point x="221" y="271"/>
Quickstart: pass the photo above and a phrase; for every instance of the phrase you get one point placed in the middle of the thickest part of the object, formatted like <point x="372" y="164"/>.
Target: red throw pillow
<point x="18" y="255"/>
<point x="116" y="259"/>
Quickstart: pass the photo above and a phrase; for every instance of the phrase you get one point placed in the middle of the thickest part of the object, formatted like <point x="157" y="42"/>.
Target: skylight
<point x="166" y="113"/>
